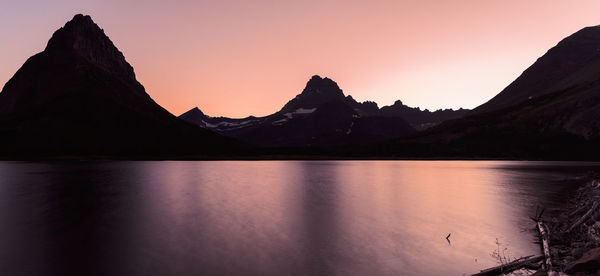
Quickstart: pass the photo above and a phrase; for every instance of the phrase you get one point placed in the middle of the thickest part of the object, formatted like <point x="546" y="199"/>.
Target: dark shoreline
<point x="571" y="232"/>
<point x="574" y="234"/>
<point x="282" y="157"/>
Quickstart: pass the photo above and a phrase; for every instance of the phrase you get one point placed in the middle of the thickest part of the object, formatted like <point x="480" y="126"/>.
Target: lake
<point x="273" y="217"/>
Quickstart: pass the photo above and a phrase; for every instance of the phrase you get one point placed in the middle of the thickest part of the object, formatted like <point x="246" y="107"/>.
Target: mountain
<point x="322" y="116"/>
<point x="80" y="97"/>
<point x="551" y="111"/>
<point x="422" y="119"/>
<point x="574" y="61"/>
<point x="317" y="92"/>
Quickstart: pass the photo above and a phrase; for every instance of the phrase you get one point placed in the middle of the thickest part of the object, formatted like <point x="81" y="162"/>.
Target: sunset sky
<point x="237" y="58"/>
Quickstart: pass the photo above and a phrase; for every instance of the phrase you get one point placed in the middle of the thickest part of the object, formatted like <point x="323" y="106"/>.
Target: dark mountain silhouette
<point x="422" y="119"/>
<point x="80" y="96"/>
<point x="317" y="92"/>
<point x="552" y="111"/>
<point x="323" y="116"/>
<point x="574" y="61"/>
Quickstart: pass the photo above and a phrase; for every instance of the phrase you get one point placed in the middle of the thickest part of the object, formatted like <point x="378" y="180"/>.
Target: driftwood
<point x="587" y="209"/>
<point x="512" y="266"/>
<point x="584" y="218"/>
<point x="529" y="262"/>
<point x="533" y="266"/>
<point x="578" y="210"/>
<point x="544" y="236"/>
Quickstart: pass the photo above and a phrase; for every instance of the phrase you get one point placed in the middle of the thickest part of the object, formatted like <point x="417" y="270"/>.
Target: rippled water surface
<point x="271" y="217"/>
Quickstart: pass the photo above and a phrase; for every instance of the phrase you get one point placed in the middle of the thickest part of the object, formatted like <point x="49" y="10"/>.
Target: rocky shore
<point x="574" y="235"/>
<point x="569" y="237"/>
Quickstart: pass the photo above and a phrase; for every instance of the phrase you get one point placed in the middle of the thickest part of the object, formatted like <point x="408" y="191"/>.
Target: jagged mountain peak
<point x="79" y="60"/>
<point x="81" y="96"/>
<point x="318" y="85"/>
<point x="78" y="57"/>
<point x="194" y="112"/>
<point x="315" y="78"/>
<point x="194" y="116"/>
<point x="317" y="91"/>
<point x="77" y="34"/>
<point x="83" y="37"/>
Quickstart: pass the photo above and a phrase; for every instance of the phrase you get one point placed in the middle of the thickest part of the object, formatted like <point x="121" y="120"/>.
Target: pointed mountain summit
<point x="194" y="116"/>
<point x="83" y="37"/>
<point x="80" y="96"/>
<point x="79" y="56"/>
<point x="317" y="91"/>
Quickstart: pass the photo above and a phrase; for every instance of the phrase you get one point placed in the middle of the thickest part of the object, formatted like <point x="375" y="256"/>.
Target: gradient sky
<point x="237" y="58"/>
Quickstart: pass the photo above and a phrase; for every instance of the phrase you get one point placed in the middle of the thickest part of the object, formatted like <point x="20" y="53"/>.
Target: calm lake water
<point x="272" y="217"/>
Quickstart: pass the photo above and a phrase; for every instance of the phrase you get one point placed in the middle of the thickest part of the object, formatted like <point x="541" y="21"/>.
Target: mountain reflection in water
<point x="271" y="217"/>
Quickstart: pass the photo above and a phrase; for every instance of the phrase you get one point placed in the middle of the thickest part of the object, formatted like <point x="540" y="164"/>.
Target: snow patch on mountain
<point x="228" y="124"/>
<point x="280" y="122"/>
<point x="302" y="111"/>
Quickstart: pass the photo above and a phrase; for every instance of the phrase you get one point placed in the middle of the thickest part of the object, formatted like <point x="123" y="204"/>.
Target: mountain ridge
<point x="80" y="97"/>
<point x="350" y="125"/>
<point x="419" y="118"/>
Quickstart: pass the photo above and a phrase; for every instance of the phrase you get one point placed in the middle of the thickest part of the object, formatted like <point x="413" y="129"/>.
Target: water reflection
<point x="319" y="216"/>
<point x="270" y="218"/>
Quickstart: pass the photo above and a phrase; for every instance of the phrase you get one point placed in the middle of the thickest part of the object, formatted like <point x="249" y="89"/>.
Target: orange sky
<point x="237" y="58"/>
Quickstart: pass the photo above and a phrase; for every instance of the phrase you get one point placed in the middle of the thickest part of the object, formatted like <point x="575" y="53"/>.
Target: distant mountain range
<point x="80" y="97"/>
<point x="323" y="116"/>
